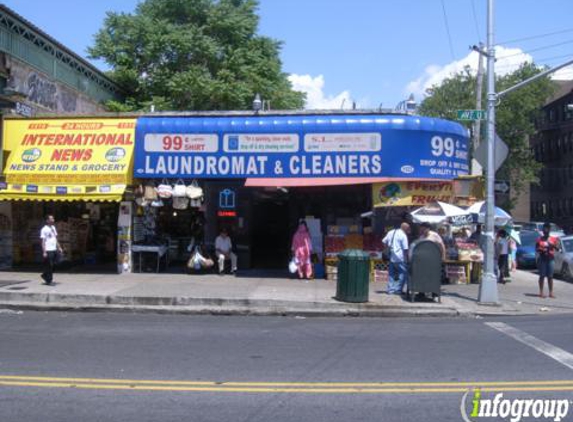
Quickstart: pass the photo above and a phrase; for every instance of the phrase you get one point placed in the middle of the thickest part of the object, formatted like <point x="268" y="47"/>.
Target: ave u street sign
<point x="471" y="115"/>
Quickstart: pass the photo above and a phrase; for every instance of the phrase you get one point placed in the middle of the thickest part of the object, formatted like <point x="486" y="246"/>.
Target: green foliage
<point x="515" y="116"/>
<point x="193" y="55"/>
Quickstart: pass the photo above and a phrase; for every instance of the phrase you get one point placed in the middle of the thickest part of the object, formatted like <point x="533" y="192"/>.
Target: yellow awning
<point x="69" y="159"/>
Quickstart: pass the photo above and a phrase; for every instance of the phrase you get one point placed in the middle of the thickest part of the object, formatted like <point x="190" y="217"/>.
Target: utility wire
<point x="539" y="61"/>
<point x="536" y="49"/>
<point x="475" y="20"/>
<point x="448" y="30"/>
<point x="533" y="37"/>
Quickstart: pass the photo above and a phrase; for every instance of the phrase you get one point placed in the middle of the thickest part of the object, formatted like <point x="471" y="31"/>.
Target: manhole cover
<point x="17" y="288"/>
<point x="6" y="283"/>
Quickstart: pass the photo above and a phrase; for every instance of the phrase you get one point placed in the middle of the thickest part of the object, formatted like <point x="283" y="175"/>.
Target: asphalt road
<point x="86" y="367"/>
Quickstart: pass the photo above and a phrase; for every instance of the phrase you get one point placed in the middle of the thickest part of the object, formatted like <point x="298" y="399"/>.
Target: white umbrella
<point x="501" y="217"/>
<point x="437" y="212"/>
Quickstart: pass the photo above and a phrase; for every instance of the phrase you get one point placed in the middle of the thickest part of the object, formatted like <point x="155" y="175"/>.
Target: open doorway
<point x="270" y="230"/>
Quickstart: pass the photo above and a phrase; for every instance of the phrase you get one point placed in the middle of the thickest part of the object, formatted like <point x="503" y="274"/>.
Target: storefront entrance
<point x="271" y="230"/>
<point x="86" y="231"/>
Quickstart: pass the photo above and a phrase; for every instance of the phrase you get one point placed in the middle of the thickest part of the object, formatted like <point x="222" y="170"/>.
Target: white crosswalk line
<point x="554" y="352"/>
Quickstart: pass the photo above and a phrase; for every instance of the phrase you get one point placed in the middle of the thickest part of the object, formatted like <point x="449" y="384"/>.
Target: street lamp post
<point x="488" y="288"/>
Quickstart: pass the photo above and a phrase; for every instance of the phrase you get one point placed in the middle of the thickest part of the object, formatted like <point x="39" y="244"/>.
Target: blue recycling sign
<point x="300" y="146"/>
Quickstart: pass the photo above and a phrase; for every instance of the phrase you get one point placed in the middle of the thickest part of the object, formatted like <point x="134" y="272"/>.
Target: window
<point x="567" y="114"/>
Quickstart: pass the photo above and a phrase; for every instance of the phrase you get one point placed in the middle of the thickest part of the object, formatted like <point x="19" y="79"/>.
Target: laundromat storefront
<point x="77" y="169"/>
<point x="279" y="169"/>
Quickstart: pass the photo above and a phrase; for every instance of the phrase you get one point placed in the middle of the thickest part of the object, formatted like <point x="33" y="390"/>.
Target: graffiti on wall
<point x="43" y="92"/>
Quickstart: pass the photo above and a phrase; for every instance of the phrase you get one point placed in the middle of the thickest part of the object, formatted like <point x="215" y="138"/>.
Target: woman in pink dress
<point x="301" y="250"/>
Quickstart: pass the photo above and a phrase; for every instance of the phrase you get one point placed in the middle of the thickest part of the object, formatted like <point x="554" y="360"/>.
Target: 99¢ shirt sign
<point x="181" y="143"/>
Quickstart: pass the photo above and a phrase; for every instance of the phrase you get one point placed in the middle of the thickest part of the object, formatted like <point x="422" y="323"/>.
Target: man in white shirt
<point x="50" y="248"/>
<point x="224" y="251"/>
<point x="397" y="243"/>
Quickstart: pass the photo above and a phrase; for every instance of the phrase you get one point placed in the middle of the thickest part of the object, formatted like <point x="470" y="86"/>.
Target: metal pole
<point x="488" y="293"/>
<point x="477" y="123"/>
<point x="533" y="78"/>
<point x="476" y="167"/>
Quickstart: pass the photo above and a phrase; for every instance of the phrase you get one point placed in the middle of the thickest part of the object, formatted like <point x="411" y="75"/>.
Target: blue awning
<point x="300" y="146"/>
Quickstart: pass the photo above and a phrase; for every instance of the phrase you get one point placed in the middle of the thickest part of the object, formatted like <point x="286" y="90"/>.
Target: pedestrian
<point x="302" y="250"/>
<point x="396" y="241"/>
<point x="426" y="233"/>
<point x="513" y="253"/>
<point x="224" y="251"/>
<point x="545" y="248"/>
<point x="502" y="253"/>
<point x="50" y="249"/>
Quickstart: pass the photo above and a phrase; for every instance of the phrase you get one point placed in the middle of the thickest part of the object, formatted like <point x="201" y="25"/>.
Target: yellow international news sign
<point x="411" y="193"/>
<point x="70" y="151"/>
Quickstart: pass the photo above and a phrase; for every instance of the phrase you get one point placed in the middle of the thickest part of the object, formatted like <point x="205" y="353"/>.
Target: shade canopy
<point x="501" y="217"/>
<point x="437" y="212"/>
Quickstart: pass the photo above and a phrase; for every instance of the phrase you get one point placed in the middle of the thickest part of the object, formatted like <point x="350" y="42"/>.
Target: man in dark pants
<point x="50" y="249"/>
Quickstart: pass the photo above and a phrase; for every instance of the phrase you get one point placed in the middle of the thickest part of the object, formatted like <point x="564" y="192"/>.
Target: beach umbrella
<point x="501" y="217"/>
<point x="437" y="212"/>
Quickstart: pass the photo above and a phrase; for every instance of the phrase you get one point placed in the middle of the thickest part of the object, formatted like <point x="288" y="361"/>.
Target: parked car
<point x="564" y="258"/>
<point x="538" y="226"/>
<point x="526" y="250"/>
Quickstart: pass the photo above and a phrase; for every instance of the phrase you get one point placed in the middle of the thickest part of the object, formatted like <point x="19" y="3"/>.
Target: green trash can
<point x="353" y="276"/>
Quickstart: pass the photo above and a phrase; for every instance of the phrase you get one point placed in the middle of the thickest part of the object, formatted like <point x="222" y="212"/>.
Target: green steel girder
<point x="15" y="28"/>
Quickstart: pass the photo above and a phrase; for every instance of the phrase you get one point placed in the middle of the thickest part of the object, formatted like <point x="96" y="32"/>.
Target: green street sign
<point x="472" y="115"/>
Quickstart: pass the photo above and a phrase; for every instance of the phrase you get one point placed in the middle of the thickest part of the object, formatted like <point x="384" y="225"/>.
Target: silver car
<point x="564" y="258"/>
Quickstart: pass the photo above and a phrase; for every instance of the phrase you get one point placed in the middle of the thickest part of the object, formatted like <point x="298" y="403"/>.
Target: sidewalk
<point x="228" y="295"/>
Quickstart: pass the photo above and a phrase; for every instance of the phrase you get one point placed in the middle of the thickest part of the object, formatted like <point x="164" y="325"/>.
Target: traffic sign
<point x="502" y="186"/>
<point x="500" y="154"/>
<point x="472" y="115"/>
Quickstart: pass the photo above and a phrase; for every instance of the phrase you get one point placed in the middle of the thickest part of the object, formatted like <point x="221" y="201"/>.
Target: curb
<point x="234" y="311"/>
<point x="239" y="307"/>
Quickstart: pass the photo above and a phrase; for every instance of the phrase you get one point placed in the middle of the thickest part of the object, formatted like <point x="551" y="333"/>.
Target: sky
<point x="373" y="53"/>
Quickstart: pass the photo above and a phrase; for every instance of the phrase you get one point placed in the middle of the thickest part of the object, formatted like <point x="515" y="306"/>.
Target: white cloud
<point x="508" y="60"/>
<point x="316" y="99"/>
<point x="565" y="74"/>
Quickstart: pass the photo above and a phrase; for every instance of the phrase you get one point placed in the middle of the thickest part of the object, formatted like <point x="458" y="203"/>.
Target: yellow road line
<point x="315" y="388"/>
<point x="276" y="390"/>
<point x="219" y="384"/>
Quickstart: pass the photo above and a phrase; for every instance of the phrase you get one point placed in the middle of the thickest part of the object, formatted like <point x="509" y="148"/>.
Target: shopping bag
<point x="193" y="191"/>
<point x="164" y="190"/>
<point x="179" y="190"/>
<point x="150" y="194"/>
<point x="292" y="266"/>
<point x="180" y="203"/>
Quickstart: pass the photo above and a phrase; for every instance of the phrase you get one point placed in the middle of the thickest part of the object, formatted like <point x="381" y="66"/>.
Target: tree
<point x="515" y="116"/>
<point x="193" y="55"/>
